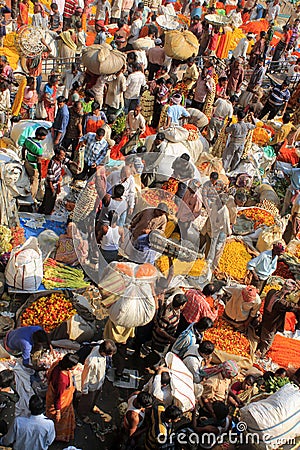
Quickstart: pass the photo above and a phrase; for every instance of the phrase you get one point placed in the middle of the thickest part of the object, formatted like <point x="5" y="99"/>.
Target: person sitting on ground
<point x="149" y="220"/>
<point x="243" y="307"/>
<point x="241" y="391"/>
<point x="35" y="432"/>
<point x="109" y="237"/>
<point x="216" y="386"/>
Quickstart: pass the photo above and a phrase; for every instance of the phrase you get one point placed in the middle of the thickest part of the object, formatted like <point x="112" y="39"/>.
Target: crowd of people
<point x="116" y="136"/>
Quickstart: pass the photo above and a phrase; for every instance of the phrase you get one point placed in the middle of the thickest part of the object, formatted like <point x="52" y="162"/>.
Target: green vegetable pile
<point x="273" y="384"/>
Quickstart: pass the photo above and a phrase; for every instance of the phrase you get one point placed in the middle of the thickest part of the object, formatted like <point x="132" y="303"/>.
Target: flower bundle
<point x="227" y="339"/>
<point x="49" y="312"/>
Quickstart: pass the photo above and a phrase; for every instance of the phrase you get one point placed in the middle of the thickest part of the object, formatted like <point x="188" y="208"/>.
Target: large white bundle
<point x="182" y="384"/>
<point x="24" y="270"/>
<point x="136" y="307"/>
<point x="175" y="133"/>
<point x="102" y="59"/>
<point x="276" y="419"/>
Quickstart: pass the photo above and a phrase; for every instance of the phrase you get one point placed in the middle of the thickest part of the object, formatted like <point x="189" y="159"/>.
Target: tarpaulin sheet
<point x="58" y="227"/>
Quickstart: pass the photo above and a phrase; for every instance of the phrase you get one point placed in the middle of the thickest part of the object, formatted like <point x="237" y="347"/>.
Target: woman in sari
<point x="30" y="99"/>
<point x="49" y="97"/>
<point x="59" y="397"/>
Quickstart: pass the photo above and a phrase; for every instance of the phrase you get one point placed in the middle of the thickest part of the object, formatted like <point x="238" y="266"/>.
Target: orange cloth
<point x="65" y="428"/>
<point x="22" y="18"/>
<point x="288" y="154"/>
<point x="115" y="152"/>
<point x="290" y="322"/>
<point x="256" y="26"/>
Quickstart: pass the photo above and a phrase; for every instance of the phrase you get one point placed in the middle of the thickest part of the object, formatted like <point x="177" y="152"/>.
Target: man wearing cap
<point x="242" y="47"/>
<point x="242" y="307"/>
<point x="175" y="111"/>
<point x="276" y="305"/>
<point x="156" y="57"/>
<point x="277" y="100"/>
<point x="264" y="265"/>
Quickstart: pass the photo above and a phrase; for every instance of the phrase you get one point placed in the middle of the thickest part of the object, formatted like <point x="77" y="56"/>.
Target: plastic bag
<point x="47" y="242"/>
<point x="175" y="134"/>
<point x="136" y="307"/>
<point x="25" y="266"/>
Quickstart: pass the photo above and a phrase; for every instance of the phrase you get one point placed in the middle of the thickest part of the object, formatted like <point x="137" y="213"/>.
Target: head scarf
<point x="230" y="369"/>
<point x="249" y="294"/>
<point x="177" y="99"/>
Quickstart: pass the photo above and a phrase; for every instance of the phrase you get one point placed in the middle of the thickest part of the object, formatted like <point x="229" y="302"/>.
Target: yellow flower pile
<point x="193" y="268"/>
<point x="234" y="260"/>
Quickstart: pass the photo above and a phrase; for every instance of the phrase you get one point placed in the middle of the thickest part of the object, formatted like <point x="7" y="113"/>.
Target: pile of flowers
<point x="193" y="268"/>
<point x="154" y="197"/>
<point x="227" y="339"/>
<point x="234" y="260"/>
<point x="193" y="132"/>
<point x="258" y="216"/>
<point x="18" y="236"/>
<point x="49" y="312"/>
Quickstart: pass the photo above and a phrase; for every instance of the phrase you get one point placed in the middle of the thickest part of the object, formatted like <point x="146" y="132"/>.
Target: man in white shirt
<point x="242" y="47"/>
<point x="136" y="26"/>
<point x="159" y="387"/>
<point x="35" y="432"/>
<point x="235" y="17"/>
<point x="135" y="121"/>
<point x="222" y="109"/>
<point x="124" y="177"/>
<point x="135" y="81"/>
<point x="93" y="377"/>
<point x="220" y="229"/>
<point x="197" y="357"/>
<point x="273" y="11"/>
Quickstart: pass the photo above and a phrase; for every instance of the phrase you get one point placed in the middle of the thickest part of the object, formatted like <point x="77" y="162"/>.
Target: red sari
<point x="60" y="397"/>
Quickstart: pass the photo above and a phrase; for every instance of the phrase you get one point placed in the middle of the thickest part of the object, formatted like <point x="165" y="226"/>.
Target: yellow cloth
<point x="283" y="133"/>
<point x="116" y="333"/>
<point x="19" y="98"/>
<point x="65" y="36"/>
<point x="9" y="50"/>
<point x="237" y="35"/>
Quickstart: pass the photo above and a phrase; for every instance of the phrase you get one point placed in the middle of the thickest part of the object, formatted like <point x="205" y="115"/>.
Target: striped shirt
<point x="34" y="150"/>
<point x="69" y="9"/>
<point x="167" y="319"/>
<point x="54" y="171"/>
<point x="278" y="96"/>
